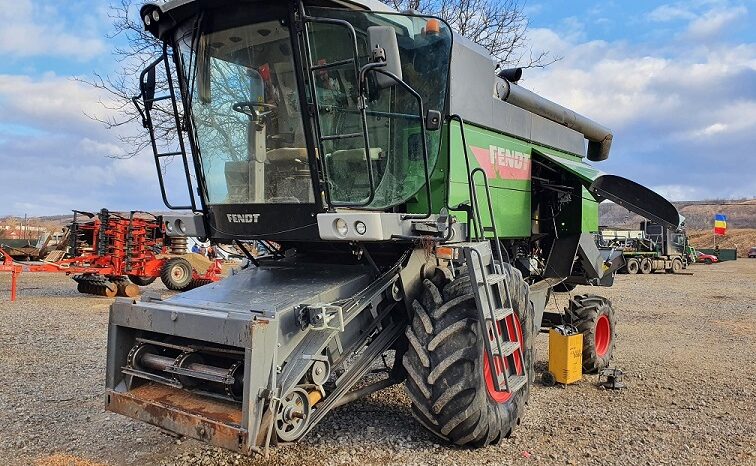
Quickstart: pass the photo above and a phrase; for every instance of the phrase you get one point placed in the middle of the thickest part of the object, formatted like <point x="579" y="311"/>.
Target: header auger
<point x="424" y="207"/>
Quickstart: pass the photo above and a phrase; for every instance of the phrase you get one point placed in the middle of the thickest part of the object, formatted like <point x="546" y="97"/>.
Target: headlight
<point x="156" y="15"/>
<point x="341" y="227"/>
<point x="360" y="227"/>
<point x="147" y="20"/>
<point x="168" y="227"/>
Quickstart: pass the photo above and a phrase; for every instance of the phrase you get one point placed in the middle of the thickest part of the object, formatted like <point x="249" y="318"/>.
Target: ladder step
<point x="495" y="278"/>
<point x="508" y="347"/>
<point x="516" y="382"/>
<point x="502" y="313"/>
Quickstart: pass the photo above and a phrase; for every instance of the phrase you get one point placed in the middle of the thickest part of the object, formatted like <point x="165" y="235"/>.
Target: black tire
<point x="677" y="266"/>
<point x="632" y="266"/>
<point x="707" y="261"/>
<point x="444" y="363"/>
<point x="585" y="311"/>
<point x="197" y="282"/>
<point x="646" y="266"/>
<point x="141" y="281"/>
<point x="176" y="274"/>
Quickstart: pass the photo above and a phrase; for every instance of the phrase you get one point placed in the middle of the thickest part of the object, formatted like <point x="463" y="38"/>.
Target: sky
<point x="675" y="81"/>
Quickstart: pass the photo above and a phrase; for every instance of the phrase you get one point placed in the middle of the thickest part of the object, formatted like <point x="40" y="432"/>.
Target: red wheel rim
<point x="513" y="325"/>
<point x="603" y="335"/>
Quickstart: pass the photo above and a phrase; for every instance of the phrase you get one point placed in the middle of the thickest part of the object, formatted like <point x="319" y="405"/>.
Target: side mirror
<point x="384" y="38"/>
<point x="148" y="89"/>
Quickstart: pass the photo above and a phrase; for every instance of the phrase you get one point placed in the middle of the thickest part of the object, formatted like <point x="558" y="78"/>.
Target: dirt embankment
<point x="741" y="239"/>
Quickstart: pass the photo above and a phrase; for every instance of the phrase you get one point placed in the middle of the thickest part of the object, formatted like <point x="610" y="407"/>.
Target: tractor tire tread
<point x="444" y="363"/>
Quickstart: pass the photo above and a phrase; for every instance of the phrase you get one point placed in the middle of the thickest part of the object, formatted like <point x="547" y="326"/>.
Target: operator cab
<point x="296" y="110"/>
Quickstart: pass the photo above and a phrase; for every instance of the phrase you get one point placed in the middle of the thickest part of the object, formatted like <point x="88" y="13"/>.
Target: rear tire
<point x="646" y="266"/>
<point x="141" y="281"/>
<point x="632" y="266"/>
<point x="445" y="364"/>
<point x="707" y="261"/>
<point x="594" y="318"/>
<point x="176" y="274"/>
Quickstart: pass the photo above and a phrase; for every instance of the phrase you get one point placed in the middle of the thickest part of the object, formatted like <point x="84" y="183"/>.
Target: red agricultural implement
<point x="112" y="255"/>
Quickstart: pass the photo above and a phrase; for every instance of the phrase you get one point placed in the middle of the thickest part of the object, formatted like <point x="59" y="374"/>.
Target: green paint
<point x="510" y="197"/>
<point x="506" y="161"/>
<point x="590" y="214"/>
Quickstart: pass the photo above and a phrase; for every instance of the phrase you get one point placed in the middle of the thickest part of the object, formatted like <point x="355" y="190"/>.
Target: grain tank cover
<point x="627" y="193"/>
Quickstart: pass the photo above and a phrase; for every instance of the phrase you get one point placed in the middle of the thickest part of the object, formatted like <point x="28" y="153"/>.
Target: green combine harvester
<point x="420" y="210"/>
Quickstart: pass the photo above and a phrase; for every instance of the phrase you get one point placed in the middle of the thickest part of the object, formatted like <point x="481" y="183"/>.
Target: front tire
<point x="594" y="318"/>
<point x="632" y="266"/>
<point x="451" y="395"/>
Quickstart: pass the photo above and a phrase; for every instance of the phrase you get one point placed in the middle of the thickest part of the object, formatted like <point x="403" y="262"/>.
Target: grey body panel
<point x="471" y="96"/>
<point x="272" y="289"/>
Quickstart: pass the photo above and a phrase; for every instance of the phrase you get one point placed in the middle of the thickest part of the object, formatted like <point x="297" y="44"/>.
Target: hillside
<point x="741" y="239"/>
<point x="699" y="215"/>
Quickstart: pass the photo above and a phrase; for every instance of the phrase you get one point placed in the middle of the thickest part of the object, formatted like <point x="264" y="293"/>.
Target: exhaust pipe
<point x="599" y="137"/>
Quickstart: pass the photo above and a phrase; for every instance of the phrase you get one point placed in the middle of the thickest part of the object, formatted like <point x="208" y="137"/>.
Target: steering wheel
<point x="250" y="109"/>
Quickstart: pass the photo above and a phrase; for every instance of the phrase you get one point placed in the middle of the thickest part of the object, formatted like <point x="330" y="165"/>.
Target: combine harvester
<point x="112" y="255"/>
<point x="423" y="204"/>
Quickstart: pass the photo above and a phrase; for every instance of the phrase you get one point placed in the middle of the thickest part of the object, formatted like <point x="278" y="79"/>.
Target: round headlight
<point x="147" y="20"/>
<point x="341" y="227"/>
<point x="180" y="226"/>
<point x="156" y="15"/>
<point x="168" y="227"/>
<point x="360" y="227"/>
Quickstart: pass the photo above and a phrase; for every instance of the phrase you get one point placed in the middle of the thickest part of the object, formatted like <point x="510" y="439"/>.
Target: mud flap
<point x="629" y="194"/>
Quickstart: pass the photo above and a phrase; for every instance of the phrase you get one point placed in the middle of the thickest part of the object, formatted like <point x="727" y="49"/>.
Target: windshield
<point x="246" y="111"/>
<point x="393" y="119"/>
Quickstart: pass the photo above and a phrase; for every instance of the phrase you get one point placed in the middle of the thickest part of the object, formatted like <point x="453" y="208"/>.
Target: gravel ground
<point x="686" y="342"/>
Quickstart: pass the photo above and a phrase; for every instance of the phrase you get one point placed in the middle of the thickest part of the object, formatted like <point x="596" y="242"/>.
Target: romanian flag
<point x="720" y="224"/>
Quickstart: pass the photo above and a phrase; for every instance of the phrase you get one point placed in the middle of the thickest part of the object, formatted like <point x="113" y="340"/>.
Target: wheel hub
<point x="603" y="335"/>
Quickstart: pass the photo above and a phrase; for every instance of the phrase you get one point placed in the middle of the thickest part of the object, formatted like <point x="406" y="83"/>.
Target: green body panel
<point x="590" y="222"/>
<point x="506" y="162"/>
<point x="575" y="165"/>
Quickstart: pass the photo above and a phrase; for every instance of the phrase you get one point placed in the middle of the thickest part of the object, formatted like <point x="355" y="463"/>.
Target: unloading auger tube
<point x="599" y="137"/>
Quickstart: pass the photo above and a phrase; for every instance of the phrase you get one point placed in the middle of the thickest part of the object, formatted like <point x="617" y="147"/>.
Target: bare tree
<point x="140" y="50"/>
<point x="500" y="26"/>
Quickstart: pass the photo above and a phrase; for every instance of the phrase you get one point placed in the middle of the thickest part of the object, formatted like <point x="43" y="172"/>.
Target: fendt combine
<point x="425" y="208"/>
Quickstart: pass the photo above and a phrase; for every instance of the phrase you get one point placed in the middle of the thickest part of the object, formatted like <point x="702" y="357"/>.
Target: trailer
<point x="424" y="206"/>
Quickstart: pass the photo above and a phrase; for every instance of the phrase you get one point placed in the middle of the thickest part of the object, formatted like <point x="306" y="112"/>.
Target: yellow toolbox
<point x="565" y="355"/>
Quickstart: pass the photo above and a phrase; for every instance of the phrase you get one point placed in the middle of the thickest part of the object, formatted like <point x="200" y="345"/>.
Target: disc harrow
<point x="95" y="284"/>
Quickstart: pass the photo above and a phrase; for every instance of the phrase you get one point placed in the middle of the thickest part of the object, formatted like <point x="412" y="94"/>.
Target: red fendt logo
<point x="506" y="163"/>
